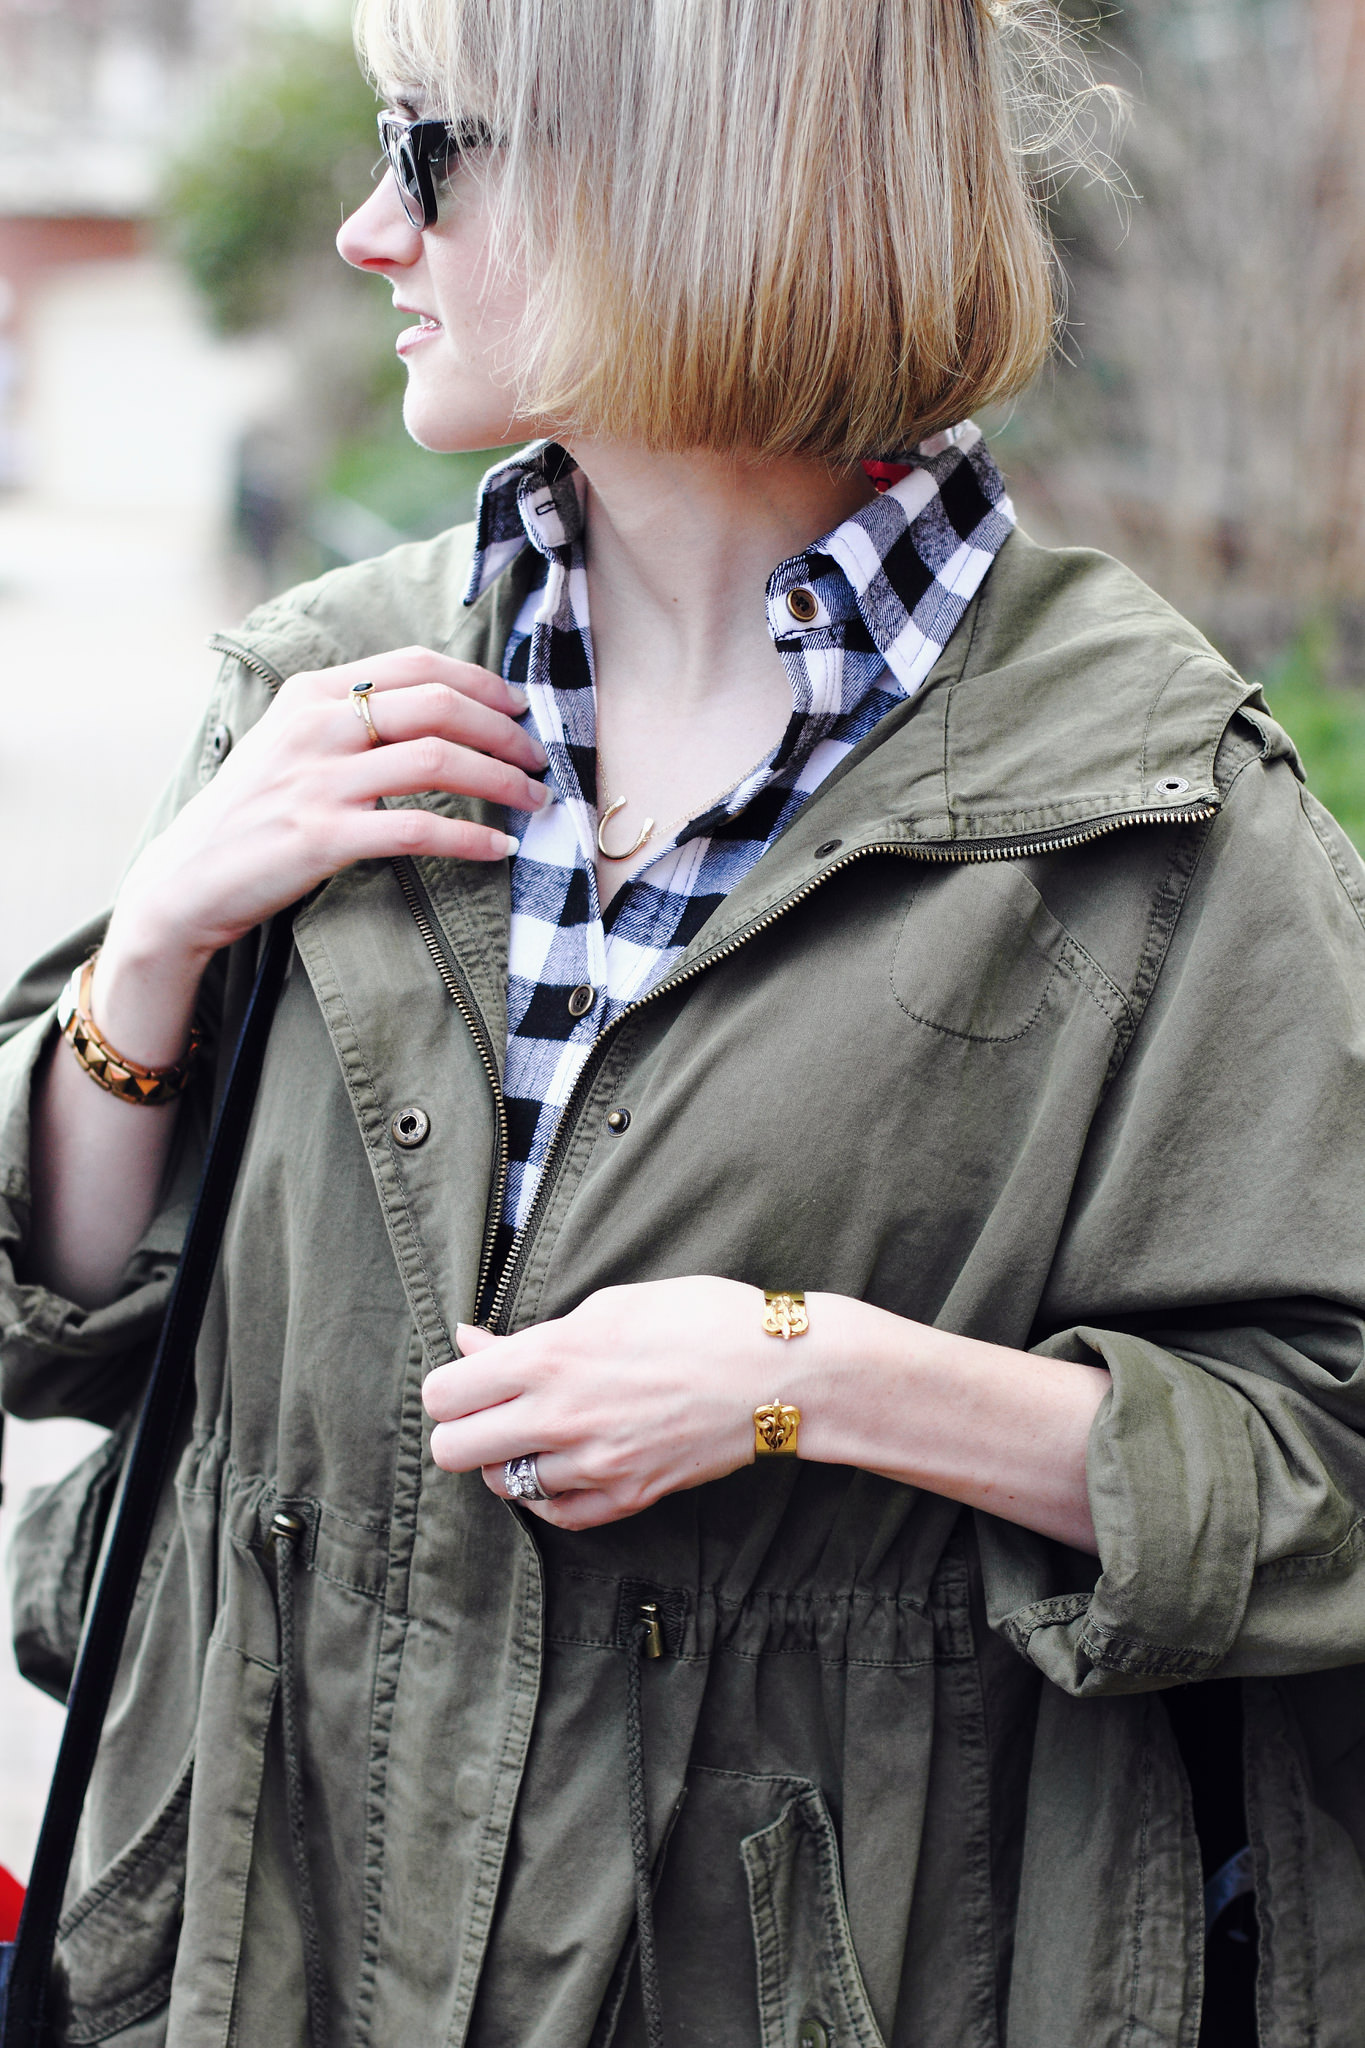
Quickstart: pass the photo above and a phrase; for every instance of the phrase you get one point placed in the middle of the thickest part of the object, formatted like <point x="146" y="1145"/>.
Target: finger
<point x="489" y="1438"/>
<point x="418" y="834"/>
<point x="581" y="1510"/>
<point x="468" y="1386"/>
<point x="404" y="667"/>
<point x="557" y="1472"/>
<point x="472" y="1337"/>
<point x="435" y="709"/>
<point x="412" y="767"/>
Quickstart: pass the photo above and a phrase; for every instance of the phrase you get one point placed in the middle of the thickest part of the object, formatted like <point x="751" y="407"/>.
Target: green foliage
<point x="412" y="490"/>
<point x="1327" y="725"/>
<point x="259" y="192"/>
<point x="251" y="205"/>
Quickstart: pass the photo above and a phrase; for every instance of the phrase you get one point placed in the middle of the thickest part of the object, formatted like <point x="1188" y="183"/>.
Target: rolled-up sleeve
<point x="59" y="1358"/>
<point x="1214" y="1262"/>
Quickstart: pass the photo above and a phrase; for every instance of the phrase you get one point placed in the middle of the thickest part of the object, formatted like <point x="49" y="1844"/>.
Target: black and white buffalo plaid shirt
<point x="891" y="583"/>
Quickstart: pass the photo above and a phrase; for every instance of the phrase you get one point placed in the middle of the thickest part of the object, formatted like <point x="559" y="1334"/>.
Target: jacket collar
<point x="1072" y="700"/>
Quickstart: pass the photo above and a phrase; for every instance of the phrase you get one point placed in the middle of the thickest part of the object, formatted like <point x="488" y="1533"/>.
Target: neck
<point x="679" y="548"/>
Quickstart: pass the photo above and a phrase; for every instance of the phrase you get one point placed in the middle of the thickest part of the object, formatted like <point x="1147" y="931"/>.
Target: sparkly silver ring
<point x="522" y="1480"/>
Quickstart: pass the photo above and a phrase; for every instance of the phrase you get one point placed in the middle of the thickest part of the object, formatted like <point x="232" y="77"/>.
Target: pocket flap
<point x="809" y="1982"/>
<point x="117" y="1942"/>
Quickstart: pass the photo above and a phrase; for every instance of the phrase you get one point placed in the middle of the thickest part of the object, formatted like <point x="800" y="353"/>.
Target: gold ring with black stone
<point x="360" y="704"/>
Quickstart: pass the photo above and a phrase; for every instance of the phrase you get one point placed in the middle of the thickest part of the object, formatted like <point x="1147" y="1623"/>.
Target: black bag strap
<point x="25" y="2018"/>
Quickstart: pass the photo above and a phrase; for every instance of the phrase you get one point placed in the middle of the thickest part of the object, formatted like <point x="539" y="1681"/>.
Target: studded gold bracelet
<point x="776" y="1423"/>
<point x="149" y="1087"/>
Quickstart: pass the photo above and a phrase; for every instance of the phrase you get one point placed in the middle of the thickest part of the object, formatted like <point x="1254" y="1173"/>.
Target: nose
<point x="379" y="233"/>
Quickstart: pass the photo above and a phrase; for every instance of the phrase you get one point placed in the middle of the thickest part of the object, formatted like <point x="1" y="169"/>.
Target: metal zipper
<point x="418" y="903"/>
<point x="271" y="677"/>
<point x="989" y="850"/>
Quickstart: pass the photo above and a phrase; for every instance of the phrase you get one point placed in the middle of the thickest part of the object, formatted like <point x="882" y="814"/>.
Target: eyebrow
<point x="410" y="101"/>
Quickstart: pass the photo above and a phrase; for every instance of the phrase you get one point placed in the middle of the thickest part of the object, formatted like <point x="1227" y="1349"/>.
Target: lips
<point x="413" y="337"/>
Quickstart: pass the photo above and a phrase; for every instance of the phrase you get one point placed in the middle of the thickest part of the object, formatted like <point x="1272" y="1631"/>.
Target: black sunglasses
<point x="420" y="153"/>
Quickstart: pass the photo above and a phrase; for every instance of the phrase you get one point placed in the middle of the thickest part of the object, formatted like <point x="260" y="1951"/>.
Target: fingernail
<point x="540" y="796"/>
<point x="520" y="701"/>
<point x="541" y="756"/>
<point x="511" y="846"/>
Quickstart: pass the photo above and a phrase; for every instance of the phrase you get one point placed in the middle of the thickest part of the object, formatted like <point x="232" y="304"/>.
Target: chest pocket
<point x="980" y="956"/>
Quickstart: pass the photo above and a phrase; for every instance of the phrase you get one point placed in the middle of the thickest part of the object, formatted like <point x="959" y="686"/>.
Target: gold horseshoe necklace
<point x="647" y="830"/>
<point x="605" y="820"/>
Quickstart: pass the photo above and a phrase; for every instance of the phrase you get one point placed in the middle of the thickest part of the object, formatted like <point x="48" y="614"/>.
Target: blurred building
<point x="93" y="95"/>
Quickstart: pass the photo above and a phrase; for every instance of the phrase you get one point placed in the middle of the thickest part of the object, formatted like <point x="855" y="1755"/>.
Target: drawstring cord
<point x="285" y="1531"/>
<point x="644" y="1642"/>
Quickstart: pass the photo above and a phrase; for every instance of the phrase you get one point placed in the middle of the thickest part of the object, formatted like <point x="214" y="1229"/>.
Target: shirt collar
<point x="531" y="497"/>
<point x="903" y="568"/>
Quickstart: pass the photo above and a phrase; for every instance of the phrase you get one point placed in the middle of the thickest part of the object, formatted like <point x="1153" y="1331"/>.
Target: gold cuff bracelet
<point x="776" y="1424"/>
<point x="784" y="1314"/>
<point x="148" y="1087"/>
<point x="775" y="1428"/>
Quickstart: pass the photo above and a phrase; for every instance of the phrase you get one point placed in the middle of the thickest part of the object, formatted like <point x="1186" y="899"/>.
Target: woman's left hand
<point x="641" y="1391"/>
<point x="638" y="1392"/>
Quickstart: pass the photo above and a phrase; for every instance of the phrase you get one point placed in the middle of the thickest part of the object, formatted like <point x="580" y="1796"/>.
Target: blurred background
<point x="199" y="404"/>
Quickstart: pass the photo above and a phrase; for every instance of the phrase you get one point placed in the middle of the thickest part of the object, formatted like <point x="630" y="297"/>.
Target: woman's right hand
<point x="293" y="803"/>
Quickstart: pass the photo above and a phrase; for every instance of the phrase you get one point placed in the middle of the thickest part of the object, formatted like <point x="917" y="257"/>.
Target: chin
<point x="447" y="427"/>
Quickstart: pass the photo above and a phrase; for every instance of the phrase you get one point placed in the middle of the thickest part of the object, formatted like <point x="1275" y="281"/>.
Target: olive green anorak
<point x="1044" y="1022"/>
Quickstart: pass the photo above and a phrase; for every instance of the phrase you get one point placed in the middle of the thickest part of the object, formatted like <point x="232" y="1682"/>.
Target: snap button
<point x="803" y="604"/>
<point x="410" y="1127"/>
<point x="582" y="999"/>
<point x="1169" y="786"/>
<point x="618" y="1120"/>
<point x="830" y="846"/>
<point x="219" y="743"/>
<point x="813" y="2034"/>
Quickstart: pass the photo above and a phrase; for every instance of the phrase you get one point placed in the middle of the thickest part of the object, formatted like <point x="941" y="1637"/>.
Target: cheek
<point x="459" y="395"/>
<point x="459" y="387"/>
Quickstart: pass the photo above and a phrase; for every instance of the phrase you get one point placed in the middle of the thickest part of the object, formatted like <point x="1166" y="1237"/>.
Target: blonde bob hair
<point x="771" y="226"/>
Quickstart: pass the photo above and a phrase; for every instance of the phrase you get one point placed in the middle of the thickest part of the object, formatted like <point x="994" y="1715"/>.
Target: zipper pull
<point x="653" y="1633"/>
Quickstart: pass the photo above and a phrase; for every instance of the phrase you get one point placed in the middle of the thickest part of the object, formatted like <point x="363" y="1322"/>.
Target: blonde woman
<point x="822" y="1064"/>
